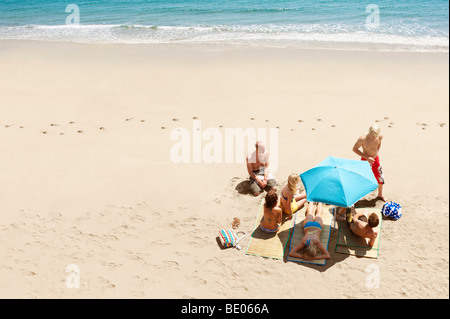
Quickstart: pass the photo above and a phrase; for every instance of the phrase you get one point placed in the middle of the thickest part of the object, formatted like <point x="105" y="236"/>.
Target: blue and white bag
<point x="392" y="210"/>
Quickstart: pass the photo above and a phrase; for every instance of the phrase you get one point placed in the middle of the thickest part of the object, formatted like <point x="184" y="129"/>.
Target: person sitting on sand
<point x="310" y="243"/>
<point x="370" y="144"/>
<point x="290" y="200"/>
<point x="258" y="169"/>
<point x="270" y="222"/>
<point x="362" y="226"/>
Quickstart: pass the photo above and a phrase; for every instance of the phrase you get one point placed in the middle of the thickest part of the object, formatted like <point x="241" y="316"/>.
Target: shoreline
<point x="249" y="45"/>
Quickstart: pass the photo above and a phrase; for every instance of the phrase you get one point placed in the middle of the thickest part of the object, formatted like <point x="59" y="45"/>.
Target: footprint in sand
<point x="160" y="243"/>
<point x="300" y="121"/>
<point x="171" y="263"/>
<point x="278" y="127"/>
<point x="71" y="122"/>
<point x="43" y="132"/>
<point x="267" y="121"/>
<point x="138" y="218"/>
<point x="163" y="127"/>
<point x="74" y="231"/>
<point x="53" y="124"/>
<point x="333" y="125"/>
<point x="441" y="124"/>
<point x="135" y="256"/>
<point x="28" y="272"/>
<point x="80" y="131"/>
<point x="292" y="130"/>
<point x="252" y="119"/>
<point x="3" y="267"/>
<point x="106" y="283"/>
<point x="7" y="126"/>
<point x="140" y="279"/>
<point x="221" y="126"/>
<point x="101" y="128"/>
<point x="319" y="120"/>
<point x="175" y="119"/>
<point x="21" y="127"/>
<point x="424" y="125"/>
<point x="109" y="265"/>
<point x="142" y="121"/>
<point x="313" y="129"/>
<point x="199" y="280"/>
<point x="129" y="119"/>
<point x="386" y="118"/>
<point x="137" y="294"/>
<point x="377" y="121"/>
<point x="195" y="118"/>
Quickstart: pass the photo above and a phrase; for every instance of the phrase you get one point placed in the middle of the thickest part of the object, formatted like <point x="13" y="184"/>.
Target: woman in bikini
<point x="290" y="200"/>
<point x="271" y="220"/>
<point x="310" y="243"/>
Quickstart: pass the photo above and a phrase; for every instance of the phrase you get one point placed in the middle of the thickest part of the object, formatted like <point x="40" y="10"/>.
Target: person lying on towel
<point x="362" y="226"/>
<point x="310" y="247"/>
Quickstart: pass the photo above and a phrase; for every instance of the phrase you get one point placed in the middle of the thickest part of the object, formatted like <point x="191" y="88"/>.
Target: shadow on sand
<point x="243" y="187"/>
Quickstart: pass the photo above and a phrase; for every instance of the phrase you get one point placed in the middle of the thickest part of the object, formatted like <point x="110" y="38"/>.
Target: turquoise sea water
<point x="347" y="24"/>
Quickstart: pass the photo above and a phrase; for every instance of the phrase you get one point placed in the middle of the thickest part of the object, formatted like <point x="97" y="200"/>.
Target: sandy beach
<point x="88" y="178"/>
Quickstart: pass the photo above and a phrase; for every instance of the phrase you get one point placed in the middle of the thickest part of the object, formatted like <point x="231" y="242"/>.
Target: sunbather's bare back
<point x="271" y="218"/>
<point x="361" y="229"/>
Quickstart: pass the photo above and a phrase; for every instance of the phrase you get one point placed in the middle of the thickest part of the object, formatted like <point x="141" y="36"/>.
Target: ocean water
<point x="392" y="25"/>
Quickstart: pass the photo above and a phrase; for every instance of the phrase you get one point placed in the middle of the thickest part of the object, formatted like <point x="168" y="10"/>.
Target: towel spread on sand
<point x="271" y="245"/>
<point x="298" y="234"/>
<point x="351" y="244"/>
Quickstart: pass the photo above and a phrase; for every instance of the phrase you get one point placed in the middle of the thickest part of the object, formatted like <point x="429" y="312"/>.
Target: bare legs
<point x="300" y="199"/>
<point x="310" y="216"/>
<point x="380" y="193"/>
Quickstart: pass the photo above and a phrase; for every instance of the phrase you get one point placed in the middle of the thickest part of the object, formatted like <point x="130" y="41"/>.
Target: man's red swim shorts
<point x="376" y="169"/>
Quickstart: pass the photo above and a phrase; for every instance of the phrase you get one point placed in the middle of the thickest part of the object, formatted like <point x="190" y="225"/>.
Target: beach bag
<point x="392" y="210"/>
<point x="228" y="238"/>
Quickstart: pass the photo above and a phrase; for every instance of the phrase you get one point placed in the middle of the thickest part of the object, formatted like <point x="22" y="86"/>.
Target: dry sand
<point x="87" y="177"/>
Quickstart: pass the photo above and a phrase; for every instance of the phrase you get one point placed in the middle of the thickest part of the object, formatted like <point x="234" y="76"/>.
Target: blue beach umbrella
<point x="338" y="181"/>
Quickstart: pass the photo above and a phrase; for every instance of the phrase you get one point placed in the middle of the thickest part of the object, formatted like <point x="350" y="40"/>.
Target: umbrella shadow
<point x="363" y="203"/>
<point x="376" y="202"/>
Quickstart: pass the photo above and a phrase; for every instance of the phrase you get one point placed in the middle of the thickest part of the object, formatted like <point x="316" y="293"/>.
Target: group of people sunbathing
<point x="291" y="200"/>
<point x="310" y="247"/>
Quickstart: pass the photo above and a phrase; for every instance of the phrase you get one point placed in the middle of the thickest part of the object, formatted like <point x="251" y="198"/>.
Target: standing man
<point x="370" y="144"/>
<point x="258" y="169"/>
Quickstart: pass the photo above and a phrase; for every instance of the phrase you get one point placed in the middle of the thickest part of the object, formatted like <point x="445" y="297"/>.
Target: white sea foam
<point x="396" y="38"/>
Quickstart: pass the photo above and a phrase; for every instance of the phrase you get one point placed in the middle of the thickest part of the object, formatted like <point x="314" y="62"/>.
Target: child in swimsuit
<point x="272" y="213"/>
<point x="290" y="201"/>
<point x="311" y="244"/>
